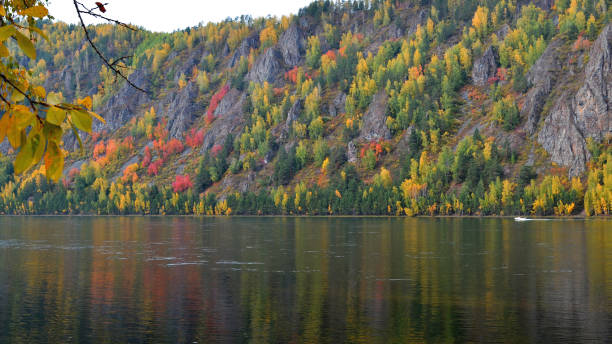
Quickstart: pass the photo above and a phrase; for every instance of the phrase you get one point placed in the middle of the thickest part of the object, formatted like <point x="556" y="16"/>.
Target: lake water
<point x="304" y="280"/>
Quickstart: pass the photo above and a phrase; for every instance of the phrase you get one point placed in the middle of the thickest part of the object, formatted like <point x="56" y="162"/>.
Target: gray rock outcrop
<point x="584" y="114"/>
<point x="182" y="110"/>
<point x="244" y="49"/>
<point x="542" y="76"/>
<point x="229" y="120"/>
<point x="485" y="67"/>
<point x="267" y="67"/>
<point x="124" y="104"/>
<point x="294" y="112"/>
<point x="337" y="105"/>
<point x="503" y="31"/>
<point x="374" y="125"/>
<point x="292" y="45"/>
<point x="351" y="152"/>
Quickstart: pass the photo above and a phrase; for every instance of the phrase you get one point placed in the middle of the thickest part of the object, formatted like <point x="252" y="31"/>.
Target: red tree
<point x="182" y="183"/>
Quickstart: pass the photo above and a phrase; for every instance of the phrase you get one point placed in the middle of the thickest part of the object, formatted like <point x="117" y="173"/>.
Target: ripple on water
<point x="201" y="262"/>
<point x="234" y="262"/>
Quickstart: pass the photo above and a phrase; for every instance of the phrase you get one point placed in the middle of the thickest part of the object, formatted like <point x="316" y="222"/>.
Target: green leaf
<point x="25" y="157"/>
<point x="81" y="119"/>
<point x="56" y="115"/>
<point x="26" y="45"/>
<point x="76" y="133"/>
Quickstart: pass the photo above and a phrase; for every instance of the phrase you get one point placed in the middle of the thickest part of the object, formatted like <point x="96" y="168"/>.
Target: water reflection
<point x="311" y="280"/>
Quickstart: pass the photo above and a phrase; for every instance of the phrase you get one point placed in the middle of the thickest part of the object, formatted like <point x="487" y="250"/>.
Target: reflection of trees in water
<point x="322" y="280"/>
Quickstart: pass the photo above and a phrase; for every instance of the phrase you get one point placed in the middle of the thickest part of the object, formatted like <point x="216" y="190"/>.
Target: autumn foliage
<point x="194" y="138"/>
<point x="214" y="102"/>
<point x="172" y="147"/>
<point x="154" y="167"/>
<point x="146" y="160"/>
<point x="182" y="183"/>
<point x="378" y="147"/>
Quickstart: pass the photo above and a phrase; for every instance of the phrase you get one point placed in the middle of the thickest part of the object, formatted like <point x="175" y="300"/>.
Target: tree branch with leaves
<point x="33" y="120"/>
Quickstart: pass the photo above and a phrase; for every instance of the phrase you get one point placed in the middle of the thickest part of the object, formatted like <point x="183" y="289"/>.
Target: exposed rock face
<point x="544" y="4"/>
<point x="374" y="125"/>
<point x="230" y="119"/>
<point x="394" y="32"/>
<point x="294" y="112"/>
<point x="226" y="104"/>
<point x="337" y="106"/>
<point x="267" y="67"/>
<point x="236" y="183"/>
<point x="542" y="76"/>
<point x="351" y="152"/>
<point x="182" y="110"/>
<point x="583" y="114"/>
<point x="77" y="164"/>
<point x="502" y="32"/>
<point x="292" y="45"/>
<point x="485" y="67"/>
<point x="124" y="104"/>
<point x="251" y="42"/>
<point x="404" y="143"/>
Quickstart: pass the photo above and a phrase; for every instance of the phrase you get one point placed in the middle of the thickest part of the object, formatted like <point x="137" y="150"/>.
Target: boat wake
<point x="522" y="219"/>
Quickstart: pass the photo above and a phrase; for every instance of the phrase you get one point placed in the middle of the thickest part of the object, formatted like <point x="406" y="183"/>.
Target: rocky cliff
<point x="585" y="113"/>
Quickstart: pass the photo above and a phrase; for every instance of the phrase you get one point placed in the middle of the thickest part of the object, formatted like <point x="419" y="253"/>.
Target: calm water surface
<point x="304" y="280"/>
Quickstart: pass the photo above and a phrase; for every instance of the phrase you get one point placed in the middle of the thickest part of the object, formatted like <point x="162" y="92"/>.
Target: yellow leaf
<point x="6" y="32"/>
<point x="86" y="102"/>
<point x="98" y="117"/>
<point x="4" y="52"/>
<point x="13" y="134"/>
<point x="16" y="97"/>
<point x="56" y="115"/>
<point x="24" y="119"/>
<point x="4" y="125"/>
<point x="53" y="132"/>
<point x="37" y="11"/>
<point x="2" y="11"/>
<point x="26" y="45"/>
<point x="24" y="158"/>
<point x="40" y="32"/>
<point x="54" y="161"/>
<point x="40" y="91"/>
<point x="40" y="145"/>
<point x="54" y="98"/>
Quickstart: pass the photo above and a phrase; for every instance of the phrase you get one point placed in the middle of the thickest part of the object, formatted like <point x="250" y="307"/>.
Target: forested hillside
<point x="446" y="107"/>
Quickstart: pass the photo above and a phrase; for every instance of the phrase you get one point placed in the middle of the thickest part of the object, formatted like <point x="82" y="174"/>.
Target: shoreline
<point x="551" y="217"/>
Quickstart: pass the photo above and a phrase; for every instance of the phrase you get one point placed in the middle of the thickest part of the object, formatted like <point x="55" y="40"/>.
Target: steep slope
<point x="353" y="108"/>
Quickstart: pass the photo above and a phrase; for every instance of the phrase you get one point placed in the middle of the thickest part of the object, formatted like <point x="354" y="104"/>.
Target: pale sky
<point x="170" y="15"/>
